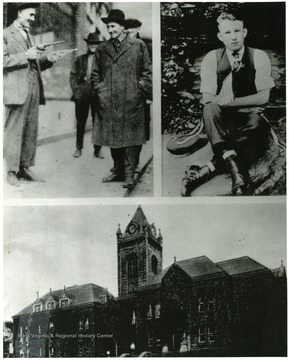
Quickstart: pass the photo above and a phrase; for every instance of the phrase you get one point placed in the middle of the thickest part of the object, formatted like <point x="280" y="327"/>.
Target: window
<point x="211" y="334"/>
<point x="150" y="312"/>
<point x="21" y="353"/>
<point x="39" y="329"/>
<point x="202" y="336"/>
<point x="40" y="352"/>
<point x="158" y="311"/>
<point x="50" y="305"/>
<point x="37" y="308"/>
<point x="86" y="326"/>
<point x="80" y="325"/>
<point x="51" y="351"/>
<point x="211" y="304"/>
<point x="51" y="326"/>
<point x="133" y="320"/>
<point x="201" y="306"/>
<point x="64" y="303"/>
<point x="154" y="265"/>
<point x="132" y="266"/>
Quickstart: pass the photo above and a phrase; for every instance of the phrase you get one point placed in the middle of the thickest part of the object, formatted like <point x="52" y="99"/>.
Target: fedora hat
<point x="28" y="5"/>
<point x="132" y="24"/>
<point x="93" y="39"/>
<point x="116" y="16"/>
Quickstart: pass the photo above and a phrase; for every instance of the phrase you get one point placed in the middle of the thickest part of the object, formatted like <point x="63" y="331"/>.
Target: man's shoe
<point x="114" y="177"/>
<point x="98" y="154"/>
<point x="128" y="184"/>
<point x="238" y="183"/>
<point x="77" y="153"/>
<point x="195" y="176"/>
<point x="26" y="174"/>
<point x="12" y="179"/>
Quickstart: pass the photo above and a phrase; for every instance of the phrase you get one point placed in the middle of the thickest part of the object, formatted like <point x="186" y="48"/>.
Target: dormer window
<point x="37" y="307"/>
<point x="64" y="303"/>
<point x="50" y="305"/>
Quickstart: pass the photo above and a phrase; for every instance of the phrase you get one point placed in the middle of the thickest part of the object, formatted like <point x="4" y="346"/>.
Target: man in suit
<point x="23" y="92"/>
<point x="235" y="81"/>
<point x="82" y="95"/>
<point x="121" y="82"/>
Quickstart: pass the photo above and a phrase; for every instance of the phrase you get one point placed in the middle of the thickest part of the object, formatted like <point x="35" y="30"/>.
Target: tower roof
<point x="139" y="217"/>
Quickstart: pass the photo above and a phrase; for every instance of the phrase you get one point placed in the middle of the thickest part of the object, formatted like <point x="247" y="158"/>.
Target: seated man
<point x="235" y="81"/>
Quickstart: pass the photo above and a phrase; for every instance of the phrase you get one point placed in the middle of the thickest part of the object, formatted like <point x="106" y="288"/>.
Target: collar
<point x="121" y="37"/>
<point x="19" y="26"/>
<point x="241" y="52"/>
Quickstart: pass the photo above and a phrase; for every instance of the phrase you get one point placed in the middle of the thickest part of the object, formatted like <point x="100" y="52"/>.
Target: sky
<point x="55" y="246"/>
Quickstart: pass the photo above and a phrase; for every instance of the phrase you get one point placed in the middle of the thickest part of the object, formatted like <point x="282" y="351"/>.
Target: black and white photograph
<point x="144" y="179"/>
<point x="90" y="65"/>
<point x="146" y="280"/>
<point x="223" y="98"/>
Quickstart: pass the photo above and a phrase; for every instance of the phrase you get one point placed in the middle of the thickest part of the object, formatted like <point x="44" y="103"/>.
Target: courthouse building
<point x="196" y="307"/>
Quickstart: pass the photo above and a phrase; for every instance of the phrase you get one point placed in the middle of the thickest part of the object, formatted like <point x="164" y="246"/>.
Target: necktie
<point x="28" y="39"/>
<point x="237" y="63"/>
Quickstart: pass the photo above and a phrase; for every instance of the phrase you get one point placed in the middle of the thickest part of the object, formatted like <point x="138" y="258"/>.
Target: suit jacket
<point x="16" y="68"/>
<point x="80" y="85"/>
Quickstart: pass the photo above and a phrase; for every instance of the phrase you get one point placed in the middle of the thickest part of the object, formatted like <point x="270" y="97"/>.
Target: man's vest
<point x="244" y="79"/>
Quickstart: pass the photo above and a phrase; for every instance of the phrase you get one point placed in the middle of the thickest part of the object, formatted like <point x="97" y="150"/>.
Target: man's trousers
<point x="125" y="160"/>
<point x="82" y="105"/>
<point x="229" y="129"/>
<point x="21" y="128"/>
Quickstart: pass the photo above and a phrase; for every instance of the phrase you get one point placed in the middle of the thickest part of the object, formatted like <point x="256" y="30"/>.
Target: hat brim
<point x="110" y="20"/>
<point x="92" y="42"/>
<point x="27" y="6"/>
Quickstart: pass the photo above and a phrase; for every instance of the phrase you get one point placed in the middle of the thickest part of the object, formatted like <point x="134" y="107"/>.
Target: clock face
<point x="132" y="228"/>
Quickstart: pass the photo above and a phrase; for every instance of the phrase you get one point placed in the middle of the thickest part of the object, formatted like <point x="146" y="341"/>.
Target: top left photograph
<point x="77" y="95"/>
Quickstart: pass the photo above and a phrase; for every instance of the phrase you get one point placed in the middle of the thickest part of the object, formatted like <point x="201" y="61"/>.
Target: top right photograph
<point x="223" y="99"/>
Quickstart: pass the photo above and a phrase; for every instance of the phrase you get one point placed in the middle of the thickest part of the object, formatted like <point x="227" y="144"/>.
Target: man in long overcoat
<point x="121" y="82"/>
<point x="80" y="85"/>
<point x="23" y="92"/>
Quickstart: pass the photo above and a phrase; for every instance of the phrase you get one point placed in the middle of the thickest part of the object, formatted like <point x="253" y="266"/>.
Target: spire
<point x="139" y="218"/>
<point x="175" y="259"/>
<point x="160" y="236"/>
<point x="118" y="232"/>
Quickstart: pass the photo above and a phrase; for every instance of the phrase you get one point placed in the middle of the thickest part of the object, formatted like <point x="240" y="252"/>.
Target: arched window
<point x="154" y="264"/>
<point x="86" y="325"/>
<point x="132" y="265"/>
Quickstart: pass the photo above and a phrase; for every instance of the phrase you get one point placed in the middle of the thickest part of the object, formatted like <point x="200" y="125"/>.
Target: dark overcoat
<point x="121" y="82"/>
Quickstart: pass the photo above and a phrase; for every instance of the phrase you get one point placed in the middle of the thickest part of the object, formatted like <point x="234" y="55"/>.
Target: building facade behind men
<point x="235" y="81"/>
<point x="82" y="96"/>
<point x="121" y="82"/>
<point x="23" y="92"/>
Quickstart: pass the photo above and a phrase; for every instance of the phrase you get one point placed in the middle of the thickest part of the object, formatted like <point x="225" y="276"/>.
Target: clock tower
<point x="139" y="253"/>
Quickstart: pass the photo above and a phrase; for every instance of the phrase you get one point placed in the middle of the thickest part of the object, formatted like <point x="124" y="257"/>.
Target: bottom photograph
<point x="145" y="280"/>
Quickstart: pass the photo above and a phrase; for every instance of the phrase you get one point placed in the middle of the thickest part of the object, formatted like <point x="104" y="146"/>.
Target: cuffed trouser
<point x="228" y="129"/>
<point x="125" y="160"/>
<point x="82" y="106"/>
<point x="21" y="128"/>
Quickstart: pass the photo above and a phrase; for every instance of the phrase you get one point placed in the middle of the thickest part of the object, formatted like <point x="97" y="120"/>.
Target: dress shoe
<point x="129" y="183"/>
<point x="137" y="170"/>
<point x="195" y="176"/>
<point x="77" y="153"/>
<point x="114" y="177"/>
<point x="26" y="174"/>
<point x="12" y="179"/>
<point x="98" y="154"/>
<point x="238" y="183"/>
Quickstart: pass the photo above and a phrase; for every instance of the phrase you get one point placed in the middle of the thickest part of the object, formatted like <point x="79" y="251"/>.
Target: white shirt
<point x="263" y="79"/>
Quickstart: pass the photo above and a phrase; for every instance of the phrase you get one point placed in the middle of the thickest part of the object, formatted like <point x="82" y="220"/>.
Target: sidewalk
<point x="174" y="170"/>
<point x="68" y="177"/>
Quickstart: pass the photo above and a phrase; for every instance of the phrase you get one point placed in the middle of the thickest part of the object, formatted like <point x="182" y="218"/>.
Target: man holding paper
<point x="23" y="92"/>
<point x="235" y="81"/>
